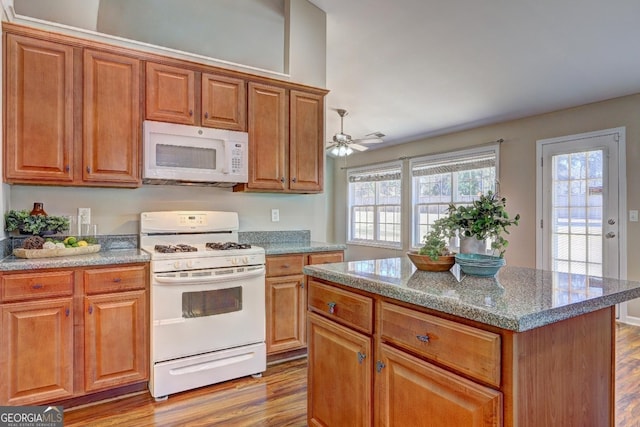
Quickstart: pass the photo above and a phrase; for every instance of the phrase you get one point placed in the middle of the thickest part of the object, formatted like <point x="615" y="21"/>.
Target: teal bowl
<point x="479" y="265"/>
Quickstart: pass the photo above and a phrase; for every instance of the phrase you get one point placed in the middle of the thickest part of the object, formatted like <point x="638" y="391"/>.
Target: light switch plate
<point x="84" y="215"/>
<point x="633" y="216"/>
<point x="275" y="215"/>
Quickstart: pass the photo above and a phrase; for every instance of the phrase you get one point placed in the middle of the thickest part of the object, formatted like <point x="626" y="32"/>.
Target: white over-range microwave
<point x="182" y="154"/>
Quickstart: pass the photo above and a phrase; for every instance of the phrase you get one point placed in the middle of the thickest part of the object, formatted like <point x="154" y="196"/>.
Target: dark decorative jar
<point x="38" y="209"/>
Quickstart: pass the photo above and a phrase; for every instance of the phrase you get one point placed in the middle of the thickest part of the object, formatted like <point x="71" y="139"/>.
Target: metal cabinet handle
<point x="302" y="284"/>
<point x="294" y="180"/>
<point x="67" y="168"/>
<point x="88" y="169"/>
<point x="90" y="309"/>
<point x="332" y="307"/>
<point x="67" y="312"/>
<point x="206" y="115"/>
<point x="37" y="286"/>
<point x="190" y="112"/>
<point x="282" y="179"/>
<point x="361" y="357"/>
<point x="379" y="366"/>
<point x="423" y="338"/>
<point x="117" y="280"/>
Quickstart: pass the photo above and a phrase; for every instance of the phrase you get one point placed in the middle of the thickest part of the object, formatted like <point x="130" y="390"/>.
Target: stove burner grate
<point x="169" y="249"/>
<point x="226" y="246"/>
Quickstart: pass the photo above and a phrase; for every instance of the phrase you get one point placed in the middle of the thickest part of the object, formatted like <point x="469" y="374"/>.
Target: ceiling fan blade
<point x="372" y="140"/>
<point x="358" y="147"/>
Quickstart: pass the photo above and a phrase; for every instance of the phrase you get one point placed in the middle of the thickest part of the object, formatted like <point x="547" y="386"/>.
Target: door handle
<point x="610" y="235"/>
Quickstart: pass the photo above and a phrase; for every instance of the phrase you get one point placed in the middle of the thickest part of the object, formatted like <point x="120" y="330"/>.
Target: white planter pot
<point x="471" y="245"/>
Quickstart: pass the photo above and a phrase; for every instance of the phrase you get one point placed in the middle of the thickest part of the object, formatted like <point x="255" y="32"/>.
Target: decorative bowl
<point x="479" y="265"/>
<point x="425" y="263"/>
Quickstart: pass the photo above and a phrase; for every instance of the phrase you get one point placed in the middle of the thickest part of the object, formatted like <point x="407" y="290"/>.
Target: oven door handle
<point x="209" y="279"/>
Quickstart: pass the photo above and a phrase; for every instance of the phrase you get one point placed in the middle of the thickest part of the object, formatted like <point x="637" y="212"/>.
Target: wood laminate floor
<point x="279" y="398"/>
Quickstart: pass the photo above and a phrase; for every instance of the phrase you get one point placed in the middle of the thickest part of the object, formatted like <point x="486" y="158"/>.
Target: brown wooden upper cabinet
<point x="286" y="149"/>
<point x="46" y="140"/>
<point x="178" y="95"/>
<point x="39" y="105"/>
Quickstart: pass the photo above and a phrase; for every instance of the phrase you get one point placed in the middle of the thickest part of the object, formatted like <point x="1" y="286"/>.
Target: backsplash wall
<point x="117" y="211"/>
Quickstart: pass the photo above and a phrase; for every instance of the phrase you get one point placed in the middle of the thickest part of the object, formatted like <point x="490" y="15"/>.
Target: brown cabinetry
<point x="39" y="108"/>
<point x="286" y="148"/>
<point x="411" y="392"/>
<point x="285" y="303"/>
<point x="179" y="95"/>
<point x="46" y="141"/>
<point x="111" y="128"/>
<point x="286" y="299"/>
<point x="71" y="332"/>
<point x="339" y="384"/>
<point x="407" y="382"/>
<point x="115" y="327"/>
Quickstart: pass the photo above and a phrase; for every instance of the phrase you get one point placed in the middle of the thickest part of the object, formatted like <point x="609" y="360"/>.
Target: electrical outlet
<point x="275" y="215"/>
<point x="633" y="215"/>
<point x="84" y="215"/>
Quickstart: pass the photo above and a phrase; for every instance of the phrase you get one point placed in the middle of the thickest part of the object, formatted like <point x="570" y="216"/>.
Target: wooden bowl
<point x="425" y="263"/>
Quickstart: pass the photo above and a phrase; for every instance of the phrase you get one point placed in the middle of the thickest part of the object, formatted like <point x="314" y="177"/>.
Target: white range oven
<point x="207" y="300"/>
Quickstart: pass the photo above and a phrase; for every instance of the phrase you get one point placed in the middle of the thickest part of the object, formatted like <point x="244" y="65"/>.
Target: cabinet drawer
<point x="346" y="307"/>
<point x="325" y="258"/>
<point x="16" y="287"/>
<point x="115" y="279"/>
<point x="284" y="265"/>
<point x="464" y="348"/>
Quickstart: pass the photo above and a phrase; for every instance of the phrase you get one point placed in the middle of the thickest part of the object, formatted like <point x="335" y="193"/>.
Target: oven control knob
<point x="176" y="265"/>
<point x="245" y="260"/>
<point x="189" y="264"/>
<point x="234" y="261"/>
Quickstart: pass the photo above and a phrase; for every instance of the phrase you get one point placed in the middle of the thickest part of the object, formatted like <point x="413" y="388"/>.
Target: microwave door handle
<point x="228" y="150"/>
<point x="210" y="279"/>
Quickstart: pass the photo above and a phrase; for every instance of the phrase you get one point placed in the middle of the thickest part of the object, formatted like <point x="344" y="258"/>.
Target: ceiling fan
<point x="342" y="144"/>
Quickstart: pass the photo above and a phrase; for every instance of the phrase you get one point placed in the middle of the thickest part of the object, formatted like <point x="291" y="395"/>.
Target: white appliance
<point x="182" y="154"/>
<point x="207" y="300"/>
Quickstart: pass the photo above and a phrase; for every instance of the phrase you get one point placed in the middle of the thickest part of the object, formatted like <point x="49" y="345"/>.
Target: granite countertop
<point x="280" y="248"/>
<point x="116" y="256"/>
<point x="518" y="299"/>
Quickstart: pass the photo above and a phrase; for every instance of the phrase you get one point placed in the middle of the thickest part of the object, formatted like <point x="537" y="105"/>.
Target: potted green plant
<point x="486" y="218"/>
<point x="25" y="223"/>
<point x="435" y="255"/>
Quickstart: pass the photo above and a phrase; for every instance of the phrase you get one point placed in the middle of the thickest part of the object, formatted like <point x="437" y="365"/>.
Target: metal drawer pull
<point x="423" y="338"/>
<point x="286" y="266"/>
<point x="37" y="286"/>
<point x="90" y="309"/>
<point x="361" y="357"/>
<point x="302" y="284"/>
<point x="332" y="307"/>
<point x="117" y="280"/>
<point x="379" y="366"/>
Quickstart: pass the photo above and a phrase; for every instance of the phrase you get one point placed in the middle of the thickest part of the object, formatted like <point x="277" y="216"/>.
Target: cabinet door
<point x="306" y="142"/>
<point x="268" y="139"/>
<point x="339" y="382"/>
<point x="412" y="392"/>
<point x="170" y="94"/>
<point x="224" y="102"/>
<point x="285" y="302"/>
<point x="39" y="104"/>
<point x="36" y="361"/>
<point x="116" y="344"/>
<point x="111" y="129"/>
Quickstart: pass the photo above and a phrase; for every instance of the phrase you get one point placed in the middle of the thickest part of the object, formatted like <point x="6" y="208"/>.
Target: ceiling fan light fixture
<point x="349" y="151"/>
<point x="335" y="151"/>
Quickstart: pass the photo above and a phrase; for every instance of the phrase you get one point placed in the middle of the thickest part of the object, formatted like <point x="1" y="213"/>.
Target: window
<point x="439" y="180"/>
<point x="375" y="205"/>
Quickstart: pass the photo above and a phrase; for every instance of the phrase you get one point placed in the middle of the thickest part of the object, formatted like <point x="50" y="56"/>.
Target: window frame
<point x="444" y="157"/>
<point x="394" y="167"/>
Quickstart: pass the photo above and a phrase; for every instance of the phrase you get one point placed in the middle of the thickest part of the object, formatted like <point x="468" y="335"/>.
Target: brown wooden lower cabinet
<point x="286" y="299"/>
<point x="434" y="369"/>
<point x="67" y="333"/>
<point x="339" y="385"/>
<point x="412" y="392"/>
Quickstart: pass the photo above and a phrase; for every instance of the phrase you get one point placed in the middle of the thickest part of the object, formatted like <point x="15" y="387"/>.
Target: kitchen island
<point x="390" y="345"/>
